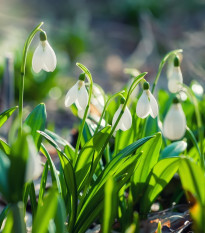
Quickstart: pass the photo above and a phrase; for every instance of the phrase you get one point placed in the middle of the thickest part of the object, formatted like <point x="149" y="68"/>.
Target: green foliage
<point x="108" y="173"/>
<point x="4" y="116"/>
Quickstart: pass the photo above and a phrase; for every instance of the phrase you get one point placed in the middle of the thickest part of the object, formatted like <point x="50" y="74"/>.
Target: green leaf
<point x="192" y="178"/>
<point x="151" y="126"/>
<point x="43" y="182"/>
<point x="121" y="168"/>
<point x="60" y="218"/>
<point x="54" y="172"/>
<point x="159" y="177"/>
<point x="90" y="151"/>
<point x="4" y="171"/>
<point x="36" y="120"/>
<point x="18" y="157"/>
<point x="147" y="161"/>
<point x="4" y="116"/>
<point x="45" y="212"/>
<point x="4" y="147"/>
<point x="15" y="220"/>
<point x="173" y="150"/>
<point x="71" y="186"/>
<point x="110" y="206"/>
<point x="32" y="195"/>
<point x="4" y="214"/>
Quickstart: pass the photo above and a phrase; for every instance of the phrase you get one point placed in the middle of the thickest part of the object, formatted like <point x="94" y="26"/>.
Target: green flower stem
<point x="89" y="76"/>
<point x="161" y="65"/>
<point x="194" y="141"/>
<point x="105" y="107"/>
<point x="23" y="68"/>
<point x="199" y="122"/>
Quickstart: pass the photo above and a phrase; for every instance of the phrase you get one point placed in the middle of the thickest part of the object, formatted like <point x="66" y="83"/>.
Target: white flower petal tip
<point x="78" y="95"/>
<point x="44" y="58"/>
<point x="125" y="121"/>
<point x="175" y="80"/>
<point x="33" y="166"/>
<point x="174" y="126"/>
<point x="97" y="98"/>
<point x="147" y="105"/>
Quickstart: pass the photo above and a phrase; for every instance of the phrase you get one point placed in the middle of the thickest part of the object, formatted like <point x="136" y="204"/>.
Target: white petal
<point x="174" y="126"/>
<point x="71" y="95"/>
<point x="33" y="166"/>
<point x="126" y="120"/>
<point x="82" y="98"/>
<point x="153" y="104"/>
<point x="143" y="106"/>
<point x="175" y="80"/>
<point x="116" y="115"/>
<point x="49" y="58"/>
<point x="37" y="63"/>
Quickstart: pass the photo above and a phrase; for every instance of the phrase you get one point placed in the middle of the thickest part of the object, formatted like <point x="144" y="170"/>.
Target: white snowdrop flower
<point x="125" y="121"/>
<point x="175" y="78"/>
<point x="44" y="57"/>
<point x="97" y="98"/>
<point x="78" y="95"/>
<point x="147" y="104"/>
<point x="174" y="126"/>
<point x="33" y="166"/>
<point x="197" y="89"/>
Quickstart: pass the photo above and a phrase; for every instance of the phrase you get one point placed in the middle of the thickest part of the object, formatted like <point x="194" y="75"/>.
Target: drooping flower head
<point x="147" y="104"/>
<point x="97" y="99"/>
<point x="125" y="121"/>
<point x="174" y="126"/>
<point x="44" y="57"/>
<point x="175" y="78"/>
<point x="78" y="95"/>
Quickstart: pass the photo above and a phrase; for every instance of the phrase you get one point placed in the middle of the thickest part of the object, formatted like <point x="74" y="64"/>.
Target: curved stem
<point x="105" y="107"/>
<point x="161" y="65"/>
<point x="89" y="76"/>
<point x="23" y="68"/>
<point x="136" y="81"/>
<point x="194" y="141"/>
<point x="199" y="121"/>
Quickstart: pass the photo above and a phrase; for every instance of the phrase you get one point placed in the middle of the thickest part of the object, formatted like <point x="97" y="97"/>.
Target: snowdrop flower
<point x="147" y="104"/>
<point x="97" y="98"/>
<point x="126" y="119"/>
<point x="174" y="126"/>
<point x="78" y="95"/>
<point x="44" y="57"/>
<point x="175" y="77"/>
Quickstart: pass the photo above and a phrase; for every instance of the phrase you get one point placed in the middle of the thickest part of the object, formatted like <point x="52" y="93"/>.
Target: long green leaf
<point x="71" y="185"/>
<point x="54" y="172"/>
<point x="159" y="177"/>
<point x="4" y="171"/>
<point x="43" y="182"/>
<point x="5" y="147"/>
<point x="192" y="178"/>
<point x="83" y="164"/>
<point x="110" y="206"/>
<point x="45" y="212"/>
<point x="4" y="116"/>
<point x="146" y="163"/>
<point x="36" y="120"/>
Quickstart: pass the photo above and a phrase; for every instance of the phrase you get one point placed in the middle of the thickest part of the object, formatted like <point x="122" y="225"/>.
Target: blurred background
<point x="106" y="36"/>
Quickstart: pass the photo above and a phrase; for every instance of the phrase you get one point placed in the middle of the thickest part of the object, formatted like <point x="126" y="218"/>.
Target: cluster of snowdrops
<point x="93" y="174"/>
